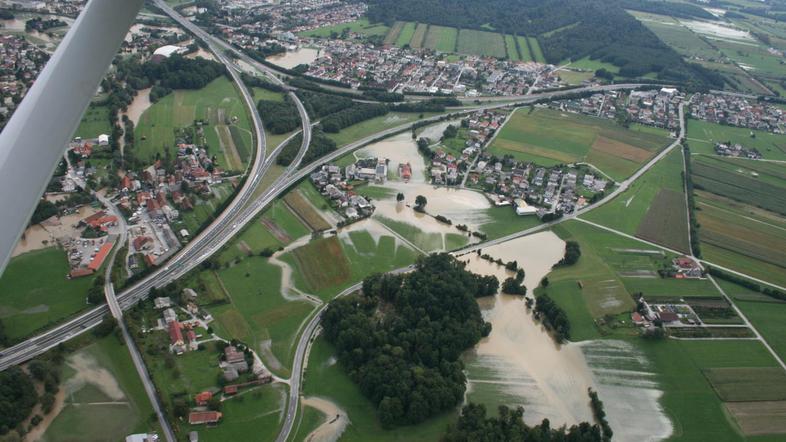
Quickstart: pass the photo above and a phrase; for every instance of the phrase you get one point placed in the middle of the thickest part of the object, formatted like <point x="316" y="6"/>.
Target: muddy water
<point x="519" y="360"/>
<point x="291" y="59"/>
<point x="336" y="420"/>
<point x="460" y="205"/>
<point x="140" y="104"/>
<point x="626" y="384"/>
<point x="34" y="238"/>
<point x="201" y="53"/>
<point x="519" y="363"/>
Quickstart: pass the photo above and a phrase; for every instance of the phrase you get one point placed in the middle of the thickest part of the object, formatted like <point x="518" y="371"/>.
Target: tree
<point x="17" y="397"/>
<point x="400" y="197"/>
<point x="544" y="282"/>
<point x="420" y="203"/>
<point x="432" y="313"/>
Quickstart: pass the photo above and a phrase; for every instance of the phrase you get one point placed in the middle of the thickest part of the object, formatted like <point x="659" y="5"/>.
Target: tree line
<point x="508" y="426"/>
<point x="400" y="341"/>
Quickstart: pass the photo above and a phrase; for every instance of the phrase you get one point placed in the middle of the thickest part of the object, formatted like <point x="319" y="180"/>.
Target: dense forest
<point x="320" y="146"/>
<point x="400" y="341"/>
<point x="280" y="117"/>
<point x="17" y="397"/>
<point x="319" y="105"/>
<point x="566" y="29"/>
<point x="353" y="115"/>
<point x="508" y="426"/>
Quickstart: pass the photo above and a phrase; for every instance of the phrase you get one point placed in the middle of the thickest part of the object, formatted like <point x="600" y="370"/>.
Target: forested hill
<point x="566" y="29"/>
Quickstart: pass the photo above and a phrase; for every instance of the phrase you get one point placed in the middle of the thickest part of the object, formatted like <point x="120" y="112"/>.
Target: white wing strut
<point x="34" y="140"/>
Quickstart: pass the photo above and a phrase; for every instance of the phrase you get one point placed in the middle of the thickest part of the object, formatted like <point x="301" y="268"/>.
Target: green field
<point x="758" y="183"/>
<point x="482" y="43"/>
<point x="587" y="63"/>
<point x="610" y="270"/>
<point x="627" y="211"/>
<point x="360" y="26"/>
<point x="537" y="53"/>
<point x="258" y="312"/>
<point x="34" y="292"/>
<point x="441" y="38"/>
<point x="276" y="227"/>
<point x="85" y="404"/>
<point x="325" y="378"/>
<point x="678" y="37"/>
<point x="548" y="137"/>
<point x="765" y="313"/>
<point x="742" y="237"/>
<point x="94" y="122"/>
<point x="419" y="37"/>
<point x="204" y="209"/>
<point x="405" y="34"/>
<point x="351" y="259"/>
<point x="155" y="131"/>
<point x="703" y="135"/>
<point x="253" y="414"/>
<point x="696" y="411"/>
<point x="370" y="127"/>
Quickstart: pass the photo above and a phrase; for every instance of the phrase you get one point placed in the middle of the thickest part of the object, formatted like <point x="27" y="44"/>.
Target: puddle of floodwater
<point x="290" y="59"/>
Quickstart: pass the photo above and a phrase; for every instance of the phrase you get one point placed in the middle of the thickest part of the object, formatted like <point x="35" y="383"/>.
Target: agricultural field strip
<point x="731" y="212"/>
<point x="720" y="290"/>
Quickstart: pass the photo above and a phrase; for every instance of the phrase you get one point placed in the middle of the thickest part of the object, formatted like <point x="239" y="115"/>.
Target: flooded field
<point x="519" y="364"/>
<point x="336" y="420"/>
<point x="140" y="104"/>
<point x="291" y="59"/>
<point x="718" y="31"/>
<point x="461" y="206"/>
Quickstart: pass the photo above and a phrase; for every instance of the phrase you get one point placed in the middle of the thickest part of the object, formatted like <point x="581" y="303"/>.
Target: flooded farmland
<point x="519" y="364"/>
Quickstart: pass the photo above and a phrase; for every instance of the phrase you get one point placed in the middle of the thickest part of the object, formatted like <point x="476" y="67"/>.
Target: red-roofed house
<point x="80" y="272"/>
<point x="203" y="398"/>
<point x="175" y="334"/>
<point x="204" y="417"/>
<point x="141" y="242"/>
<point x="103" y="252"/>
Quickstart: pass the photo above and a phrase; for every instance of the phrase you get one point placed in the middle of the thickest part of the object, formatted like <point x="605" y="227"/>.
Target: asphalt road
<point x="235" y="216"/>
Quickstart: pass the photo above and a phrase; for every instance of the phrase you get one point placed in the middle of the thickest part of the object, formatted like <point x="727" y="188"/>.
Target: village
<point x="20" y="63"/>
<point x="739" y="111"/>
<point x="406" y="70"/>
<point x="339" y="186"/>
<point x="187" y="326"/>
<point x="657" y="108"/>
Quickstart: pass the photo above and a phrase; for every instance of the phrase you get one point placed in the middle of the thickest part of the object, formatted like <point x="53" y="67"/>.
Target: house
<point x="230" y="374"/>
<point x="203" y="398"/>
<point x="80" y="272"/>
<point x="668" y="317"/>
<point x="176" y="337"/>
<point x="686" y="267"/>
<point x="162" y="302"/>
<point x="103" y="140"/>
<point x="233" y="356"/>
<point x="229" y="390"/>
<point x="142" y="243"/>
<point x="522" y="208"/>
<point x="97" y="260"/>
<point x="170" y="315"/>
<point x="204" y="417"/>
<point x="637" y="318"/>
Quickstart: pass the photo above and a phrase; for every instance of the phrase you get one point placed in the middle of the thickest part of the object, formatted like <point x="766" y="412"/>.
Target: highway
<point x="235" y="216"/>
